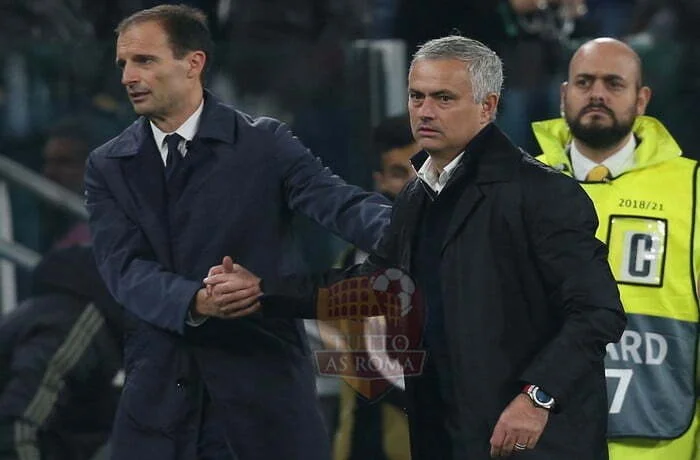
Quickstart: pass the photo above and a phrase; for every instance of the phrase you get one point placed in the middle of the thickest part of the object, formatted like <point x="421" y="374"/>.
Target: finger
<point x="522" y="443"/>
<point x="232" y="279"/>
<point x="496" y="441"/>
<point x="216" y="278"/>
<point x="237" y="305"/>
<point x="237" y="299"/>
<point x="231" y="286"/>
<point x="507" y="446"/>
<point x="215" y="270"/>
<point x="243" y="311"/>
<point x="228" y="264"/>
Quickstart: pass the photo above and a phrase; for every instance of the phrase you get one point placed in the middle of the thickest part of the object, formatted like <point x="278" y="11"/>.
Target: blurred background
<point x="332" y="69"/>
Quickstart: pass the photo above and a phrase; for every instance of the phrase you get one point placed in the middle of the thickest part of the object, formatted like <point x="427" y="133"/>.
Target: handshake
<point x="230" y="291"/>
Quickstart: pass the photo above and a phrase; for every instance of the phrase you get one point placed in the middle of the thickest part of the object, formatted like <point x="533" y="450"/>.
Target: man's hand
<point x="231" y="292"/>
<point x="522" y="423"/>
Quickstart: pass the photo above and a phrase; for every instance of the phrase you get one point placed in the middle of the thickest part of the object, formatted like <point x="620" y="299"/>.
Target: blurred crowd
<point x="60" y="97"/>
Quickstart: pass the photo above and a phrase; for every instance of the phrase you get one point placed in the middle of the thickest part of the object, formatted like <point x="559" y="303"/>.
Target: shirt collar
<point x="618" y="163"/>
<point x="187" y="130"/>
<point x="429" y="174"/>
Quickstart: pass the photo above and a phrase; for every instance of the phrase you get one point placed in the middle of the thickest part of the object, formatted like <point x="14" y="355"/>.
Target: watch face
<point x="542" y="397"/>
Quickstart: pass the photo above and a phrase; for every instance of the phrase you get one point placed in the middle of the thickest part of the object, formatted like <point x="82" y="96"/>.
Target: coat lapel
<point x="415" y="203"/>
<point x="143" y="172"/>
<point x="217" y="127"/>
<point x="489" y="158"/>
<point x="142" y="168"/>
<point x="470" y="198"/>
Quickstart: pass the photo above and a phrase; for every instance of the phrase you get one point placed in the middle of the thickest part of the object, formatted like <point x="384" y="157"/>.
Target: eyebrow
<point x="136" y="57"/>
<point x="608" y="77"/>
<point x="438" y="93"/>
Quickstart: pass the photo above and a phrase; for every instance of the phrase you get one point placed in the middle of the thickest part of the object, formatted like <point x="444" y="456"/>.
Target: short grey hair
<point x="483" y="64"/>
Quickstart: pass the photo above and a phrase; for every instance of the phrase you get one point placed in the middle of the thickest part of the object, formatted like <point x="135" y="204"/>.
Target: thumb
<point x="228" y="264"/>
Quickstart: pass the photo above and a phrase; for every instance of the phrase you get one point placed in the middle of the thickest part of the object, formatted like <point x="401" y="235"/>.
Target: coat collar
<point x="218" y="123"/>
<point x="490" y="157"/>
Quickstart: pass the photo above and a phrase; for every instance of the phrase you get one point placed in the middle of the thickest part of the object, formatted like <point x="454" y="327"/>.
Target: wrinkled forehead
<point x="141" y="36"/>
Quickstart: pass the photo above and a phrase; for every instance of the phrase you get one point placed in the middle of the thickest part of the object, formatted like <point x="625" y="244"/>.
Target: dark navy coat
<point x="241" y="181"/>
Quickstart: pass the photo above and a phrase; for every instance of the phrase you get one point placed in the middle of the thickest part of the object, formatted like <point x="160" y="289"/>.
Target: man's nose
<point x="426" y="109"/>
<point x="598" y="91"/>
<point x="129" y="75"/>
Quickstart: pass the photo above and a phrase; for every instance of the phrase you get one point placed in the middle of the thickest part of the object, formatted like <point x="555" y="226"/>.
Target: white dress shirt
<point x="618" y="163"/>
<point x="187" y="130"/>
<point x="434" y="179"/>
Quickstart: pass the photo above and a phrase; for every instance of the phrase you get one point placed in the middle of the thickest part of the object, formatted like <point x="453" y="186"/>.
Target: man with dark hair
<point x="191" y="181"/>
<point x="394" y="146"/>
<point x="186" y="30"/>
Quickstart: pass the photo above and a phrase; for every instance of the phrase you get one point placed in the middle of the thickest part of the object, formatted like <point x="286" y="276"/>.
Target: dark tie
<point x="174" y="158"/>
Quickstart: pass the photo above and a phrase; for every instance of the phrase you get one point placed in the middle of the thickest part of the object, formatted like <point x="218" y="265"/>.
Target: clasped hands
<point x="230" y="291"/>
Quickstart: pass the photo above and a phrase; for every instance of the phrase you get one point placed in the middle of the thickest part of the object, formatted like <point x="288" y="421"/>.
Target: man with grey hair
<point x="520" y="299"/>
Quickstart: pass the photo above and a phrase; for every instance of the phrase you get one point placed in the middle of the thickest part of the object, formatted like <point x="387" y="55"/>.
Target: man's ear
<point x="643" y="98"/>
<point x="196" y="61"/>
<point x="489" y="106"/>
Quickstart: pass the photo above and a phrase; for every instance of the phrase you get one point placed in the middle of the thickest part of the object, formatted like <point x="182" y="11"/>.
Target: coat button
<point x="181" y="384"/>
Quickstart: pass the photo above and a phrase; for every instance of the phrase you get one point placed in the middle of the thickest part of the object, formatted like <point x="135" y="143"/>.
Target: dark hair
<point x="391" y="133"/>
<point x="185" y="26"/>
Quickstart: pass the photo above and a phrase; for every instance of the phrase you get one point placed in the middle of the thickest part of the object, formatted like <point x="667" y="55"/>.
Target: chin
<point x="429" y="145"/>
<point x="141" y="110"/>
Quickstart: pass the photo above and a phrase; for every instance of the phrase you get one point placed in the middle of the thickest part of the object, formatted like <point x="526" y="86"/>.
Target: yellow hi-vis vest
<point x="647" y="218"/>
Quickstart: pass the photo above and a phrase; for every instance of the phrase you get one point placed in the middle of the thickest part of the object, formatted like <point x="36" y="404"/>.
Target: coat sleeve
<point x="127" y="263"/>
<point x="298" y="296"/>
<point x="348" y="211"/>
<point x="561" y="223"/>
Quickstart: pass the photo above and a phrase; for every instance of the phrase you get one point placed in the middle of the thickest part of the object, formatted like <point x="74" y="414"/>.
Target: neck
<point x="600" y="155"/>
<point x="170" y="123"/>
<point x="442" y="159"/>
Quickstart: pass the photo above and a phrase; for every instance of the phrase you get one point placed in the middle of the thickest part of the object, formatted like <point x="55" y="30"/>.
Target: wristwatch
<point x="539" y="397"/>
